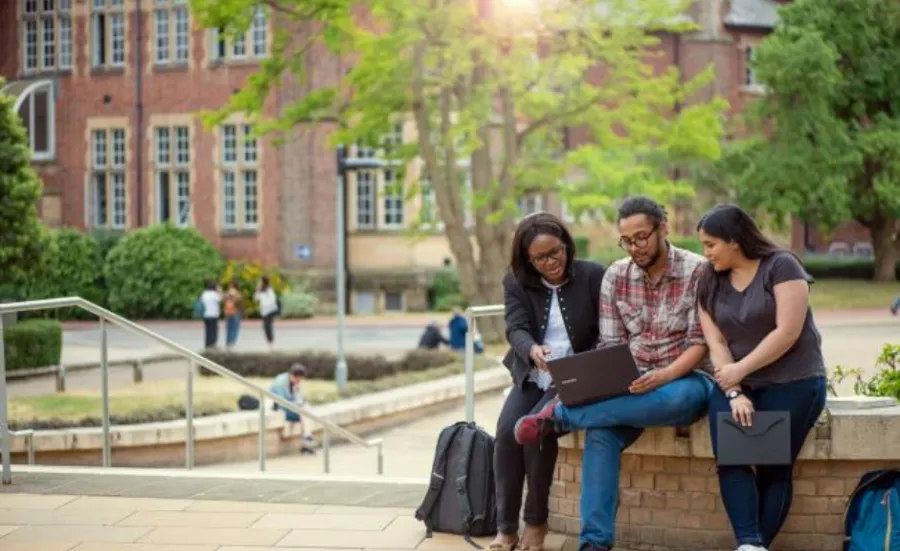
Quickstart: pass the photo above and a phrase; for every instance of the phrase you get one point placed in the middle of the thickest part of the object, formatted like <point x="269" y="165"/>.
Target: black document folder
<point x="766" y="442"/>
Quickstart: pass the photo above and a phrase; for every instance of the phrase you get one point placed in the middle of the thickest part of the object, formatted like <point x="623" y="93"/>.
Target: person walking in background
<point x="234" y="310"/>
<point x="457" y="327"/>
<point x="552" y="311"/>
<point x="210" y="303"/>
<point x="287" y="385"/>
<point x="767" y="354"/>
<point x="268" y="308"/>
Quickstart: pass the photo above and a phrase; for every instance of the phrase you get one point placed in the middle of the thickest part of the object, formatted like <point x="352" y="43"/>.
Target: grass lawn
<point x="165" y="400"/>
<point x="846" y="294"/>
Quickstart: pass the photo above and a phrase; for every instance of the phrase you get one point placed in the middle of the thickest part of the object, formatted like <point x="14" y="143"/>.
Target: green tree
<point x="21" y="233"/>
<point x="490" y="92"/>
<point x="826" y="135"/>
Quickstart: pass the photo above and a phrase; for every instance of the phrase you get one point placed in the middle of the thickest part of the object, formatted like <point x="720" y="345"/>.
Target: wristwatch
<point x="734" y="394"/>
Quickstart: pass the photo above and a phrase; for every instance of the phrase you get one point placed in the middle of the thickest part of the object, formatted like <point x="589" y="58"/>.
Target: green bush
<point x="886" y="381"/>
<point x="320" y="365"/>
<point x="298" y="304"/>
<point x="582" y="246"/>
<point x="689" y="242"/>
<point x="822" y="266"/>
<point x="69" y="269"/>
<point x="32" y="343"/>
<point x="159" y="271"/>
<point x="445" y="292"/>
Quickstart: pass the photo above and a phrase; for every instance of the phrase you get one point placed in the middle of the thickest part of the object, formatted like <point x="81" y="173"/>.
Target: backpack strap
<point x="438" y="471"/>
<point x="462" y="485"/>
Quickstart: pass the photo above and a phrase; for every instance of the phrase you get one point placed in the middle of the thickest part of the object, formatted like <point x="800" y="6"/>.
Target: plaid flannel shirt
<point x="658" y="321"/>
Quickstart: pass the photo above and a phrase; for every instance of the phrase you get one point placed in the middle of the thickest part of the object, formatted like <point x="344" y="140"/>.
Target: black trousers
<point x="267" y="328"/>
<point x="513" y="463"/>
<point x="211" y="331"/>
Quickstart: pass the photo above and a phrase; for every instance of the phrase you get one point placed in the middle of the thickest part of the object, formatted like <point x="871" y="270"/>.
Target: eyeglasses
<point x="638" y="242"/>
<point x="554" y="253"/>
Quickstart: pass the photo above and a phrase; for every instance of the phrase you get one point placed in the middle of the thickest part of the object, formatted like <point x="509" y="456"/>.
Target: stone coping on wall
<point x="228" y="425"/>
<point x="851" y="428"/>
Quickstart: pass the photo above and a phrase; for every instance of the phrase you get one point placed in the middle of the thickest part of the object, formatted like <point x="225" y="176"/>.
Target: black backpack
<point x="466" y="504"/>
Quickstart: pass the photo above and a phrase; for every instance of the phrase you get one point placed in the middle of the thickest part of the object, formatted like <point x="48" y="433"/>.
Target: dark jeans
<point x="513" y="462"/>
<point x="232" y="327"/>
<point x="210" y="331"/>
<point x="267" y="328"/>
<point x="758" y="503"/>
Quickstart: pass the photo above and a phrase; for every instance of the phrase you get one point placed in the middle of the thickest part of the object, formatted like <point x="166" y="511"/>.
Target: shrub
<point x="582" y="246"/>
<point x="69" y="269"/>
<point x="886" y="381"/>
<point x="158" y="272"/>
<point x="298" y="304"/>
<point x="160" y="414"/>
<point x="689" y="242"/>
<point x="321" y="365"/>
<point x="247" y="275"/>
<point x="32" y="343"/>
<point x="445" y="292"/>
<point x="822" y="266"/>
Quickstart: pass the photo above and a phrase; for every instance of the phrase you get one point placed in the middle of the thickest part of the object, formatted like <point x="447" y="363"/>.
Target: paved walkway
<point x="96" y="512"/>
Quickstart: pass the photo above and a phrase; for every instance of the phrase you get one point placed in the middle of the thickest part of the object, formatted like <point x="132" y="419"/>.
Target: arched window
<point x="35" y="102"/>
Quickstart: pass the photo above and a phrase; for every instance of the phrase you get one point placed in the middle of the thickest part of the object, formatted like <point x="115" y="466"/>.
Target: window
<point x="172" y="147"/>
<point x="47" y="35"/>
<point x="107" y="33"/>
<point x="529" y="204"/>
<point x="394" y="138"/>
<point x="107" y="193"/>
<point x="365" y="199"/>
<point x="38" y="115"/>
<point x="393" y="301"/>
<point x="251" y="44"/>
<point x="240" y="178"/>
<point x="393" y="200"/>
<point x="749" y="75"/>
<point x="171" y="24"/>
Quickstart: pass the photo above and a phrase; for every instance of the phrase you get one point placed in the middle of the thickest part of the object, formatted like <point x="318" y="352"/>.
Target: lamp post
<point x="344" y="164"/>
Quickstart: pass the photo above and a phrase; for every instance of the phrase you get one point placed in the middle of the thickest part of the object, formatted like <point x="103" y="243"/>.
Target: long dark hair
<point x="731" y="224"/>
<point x="264" y="283"/>
<point x="533" y="225"/>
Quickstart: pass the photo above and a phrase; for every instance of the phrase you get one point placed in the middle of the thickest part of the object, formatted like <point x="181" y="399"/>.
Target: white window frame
<point x="530" y="204"/>
<point x="366" y="203"/>
<point x="241" y="182"/>
<point x="171" y="42"/>
<point x="172" y="158"/>
<point x="252" y="44"/>
<point x="109" y="28"/>
<point x="392" y="203"/>
<point x="749" y="74"/>
<point x="109" y="159"/>
<point x="402" y="297"/>
<point x="46" y="34"/>
<point x="28" y="99"/>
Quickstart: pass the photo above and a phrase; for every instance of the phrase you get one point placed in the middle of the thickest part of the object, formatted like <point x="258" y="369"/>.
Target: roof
<point x="753" y="14"/>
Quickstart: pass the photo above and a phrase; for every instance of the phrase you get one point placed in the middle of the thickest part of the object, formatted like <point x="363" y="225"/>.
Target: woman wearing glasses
<point x="551" y="304"/>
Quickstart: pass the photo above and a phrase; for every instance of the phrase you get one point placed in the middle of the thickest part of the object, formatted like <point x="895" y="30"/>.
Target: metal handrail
<point x="195" y="358"/>
<point x="29" y="437"/>
<point x="473" y="312"/>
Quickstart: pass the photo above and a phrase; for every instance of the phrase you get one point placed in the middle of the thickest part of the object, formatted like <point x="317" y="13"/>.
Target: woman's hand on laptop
<point x="538" y="355"/>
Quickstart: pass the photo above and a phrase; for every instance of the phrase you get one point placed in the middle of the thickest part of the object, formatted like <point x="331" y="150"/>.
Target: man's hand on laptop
<point x="539" y="355"/>
<point x="650" y="380"/>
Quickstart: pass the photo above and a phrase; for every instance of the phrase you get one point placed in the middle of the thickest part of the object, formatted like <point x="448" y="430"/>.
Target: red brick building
<point x="111" y="91"/>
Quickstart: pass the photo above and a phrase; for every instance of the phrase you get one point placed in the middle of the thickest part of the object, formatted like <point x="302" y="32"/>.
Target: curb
<point x="134" y="363"/>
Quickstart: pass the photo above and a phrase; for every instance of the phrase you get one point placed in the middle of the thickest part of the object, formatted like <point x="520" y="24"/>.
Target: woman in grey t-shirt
<point x="767" y="355"/>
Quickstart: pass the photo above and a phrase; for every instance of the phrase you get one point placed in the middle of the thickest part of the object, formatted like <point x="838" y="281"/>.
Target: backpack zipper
<point x="886" y="501"/>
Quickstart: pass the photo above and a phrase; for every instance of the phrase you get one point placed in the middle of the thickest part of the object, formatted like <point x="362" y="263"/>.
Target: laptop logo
<point x="568" y="381"/>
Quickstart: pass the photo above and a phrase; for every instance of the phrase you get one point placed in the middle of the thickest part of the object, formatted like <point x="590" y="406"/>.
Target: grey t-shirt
<point x="745" y="318"/>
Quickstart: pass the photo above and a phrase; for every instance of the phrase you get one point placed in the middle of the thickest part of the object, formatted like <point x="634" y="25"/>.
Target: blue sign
<point x="303" y="252"/>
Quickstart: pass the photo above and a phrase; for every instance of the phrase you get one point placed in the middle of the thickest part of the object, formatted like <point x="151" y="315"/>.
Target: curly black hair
<point x="533" y="225"/>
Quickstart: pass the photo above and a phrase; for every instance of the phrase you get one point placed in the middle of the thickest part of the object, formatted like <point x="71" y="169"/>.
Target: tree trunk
<point x="885" y="247"/>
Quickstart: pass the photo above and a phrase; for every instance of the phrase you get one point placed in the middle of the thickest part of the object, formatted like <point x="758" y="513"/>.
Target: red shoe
<point x="532" y="429"/>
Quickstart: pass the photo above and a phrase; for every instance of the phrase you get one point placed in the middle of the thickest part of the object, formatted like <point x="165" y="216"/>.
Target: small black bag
<point x="466" y="504"/>
<point x="247" y="402"/>
<point x="767" y="442"/>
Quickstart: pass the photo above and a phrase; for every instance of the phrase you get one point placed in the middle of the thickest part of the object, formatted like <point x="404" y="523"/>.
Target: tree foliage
<point x="22" y="236"/>
<point x="826" y="141"/>
<point x="490" y="89"/>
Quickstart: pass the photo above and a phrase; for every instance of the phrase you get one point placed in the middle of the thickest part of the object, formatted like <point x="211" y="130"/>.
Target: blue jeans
<point x="613" y="425"/>
<point x="232" y="326"/>
<point x="290" y="416"/>
<point x="758" y="503"/>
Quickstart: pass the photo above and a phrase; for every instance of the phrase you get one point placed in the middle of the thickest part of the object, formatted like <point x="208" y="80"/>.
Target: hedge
<point x="32" y="343"/>
<point x="320" y="365"/>
<point x="161" y="414"/>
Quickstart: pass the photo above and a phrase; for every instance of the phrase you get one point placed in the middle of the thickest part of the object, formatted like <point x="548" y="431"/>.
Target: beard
<point x="651" y="259"/>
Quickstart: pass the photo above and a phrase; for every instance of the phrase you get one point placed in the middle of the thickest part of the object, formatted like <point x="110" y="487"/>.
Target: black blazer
<point x="527" y="310"/>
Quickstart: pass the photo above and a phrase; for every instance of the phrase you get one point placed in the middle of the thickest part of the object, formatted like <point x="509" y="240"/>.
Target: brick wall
<point x="673" y="503"/>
